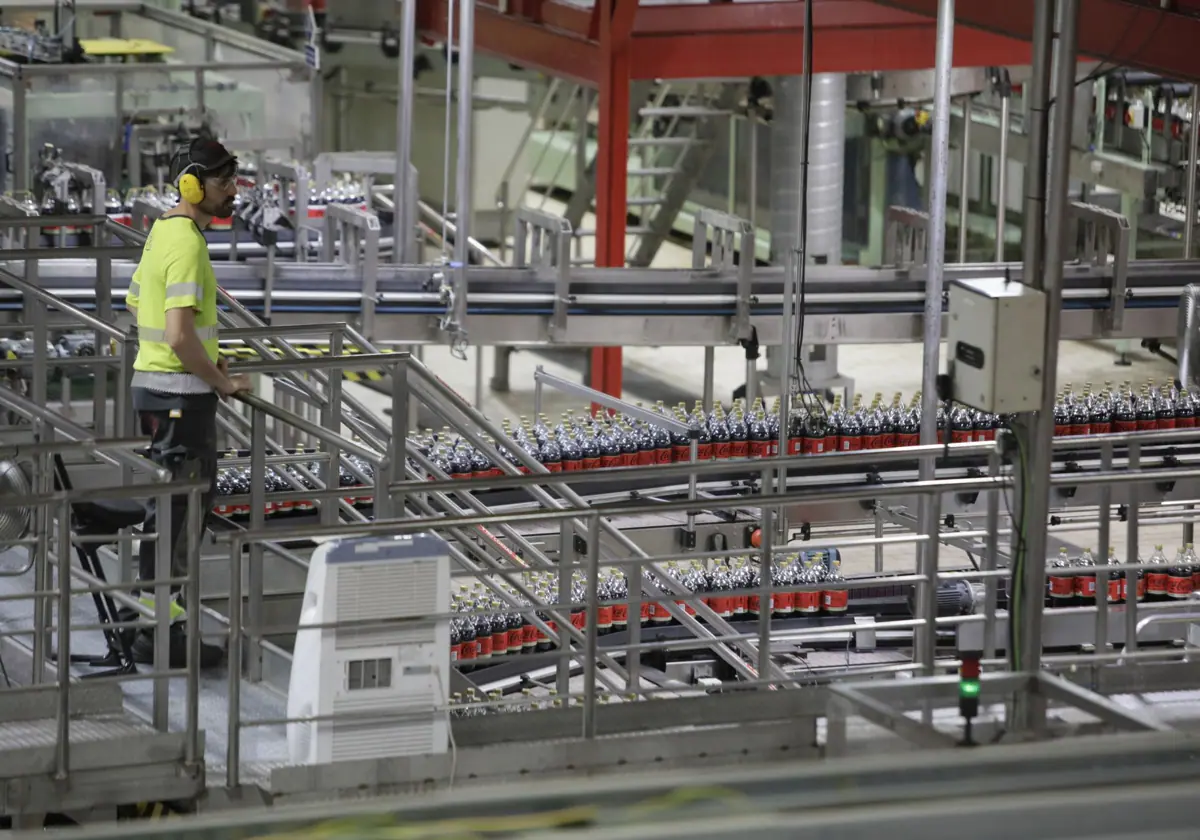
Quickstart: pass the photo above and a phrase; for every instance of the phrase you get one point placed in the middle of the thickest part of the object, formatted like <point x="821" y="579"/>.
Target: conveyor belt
<point x="313" y="287"/>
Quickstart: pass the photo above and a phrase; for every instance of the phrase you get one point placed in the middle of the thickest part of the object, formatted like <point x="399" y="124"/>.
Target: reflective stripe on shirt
<point x="202" y="333"/>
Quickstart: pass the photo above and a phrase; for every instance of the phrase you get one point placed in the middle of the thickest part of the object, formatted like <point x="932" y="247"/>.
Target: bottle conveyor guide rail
<point x="648" y="307"/>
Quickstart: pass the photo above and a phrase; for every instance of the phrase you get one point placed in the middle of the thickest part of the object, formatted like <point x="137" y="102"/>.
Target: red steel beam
<point x="1119" y="33"/>
<point x="763" y="39"/>
<point x="616" y="28"/>
<point x="566" y="54"/>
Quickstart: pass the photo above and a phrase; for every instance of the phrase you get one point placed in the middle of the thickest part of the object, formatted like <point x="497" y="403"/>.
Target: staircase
<point x="675" y="126"/>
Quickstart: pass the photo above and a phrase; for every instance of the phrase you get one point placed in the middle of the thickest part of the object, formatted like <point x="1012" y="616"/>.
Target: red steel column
<point x="616" y="28"/>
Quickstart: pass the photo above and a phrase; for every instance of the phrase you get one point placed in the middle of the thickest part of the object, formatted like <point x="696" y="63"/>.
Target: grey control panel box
<point x="994" y="342"/>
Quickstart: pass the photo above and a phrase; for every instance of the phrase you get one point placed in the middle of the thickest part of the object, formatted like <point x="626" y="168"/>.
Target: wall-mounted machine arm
<point x="904" y="236"/>
<point x="353" y="233"/>
<point x="548" y="239"/>
<point x="1105" y="244"/>
<point x="732" y="246"/>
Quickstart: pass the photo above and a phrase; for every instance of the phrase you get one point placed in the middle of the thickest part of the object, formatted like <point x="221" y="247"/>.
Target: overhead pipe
<point x="464" y="195"/>
<point x="403" y="222"/>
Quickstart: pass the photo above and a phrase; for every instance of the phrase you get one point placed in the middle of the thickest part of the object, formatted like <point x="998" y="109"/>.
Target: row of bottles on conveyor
<point x="1108" y="411"/>
<point x="488" y="628"/>
<point x="471" y="703"/>
<point x="236" y="481"/>
<point x="1075" y="581"/>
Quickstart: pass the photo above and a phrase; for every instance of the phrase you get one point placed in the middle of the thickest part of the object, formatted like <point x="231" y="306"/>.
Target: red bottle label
<point x="573" y="465"/>
<point x="1185" y="422"/>
<point x="529" y="635"/>
<point x="850" y="444"/>
<point x="466" y="651"/>
<point x="485" y="645"/>
<point x="1179" y="587"/>
<point x="500" y="642"/>
<point x="1166" y="424"/>
<point x="1081" y="429"/>
<point x="646" y="457"/>
<point x="785" y="602"/>
<point x="604" y="616"/>
<point x="1101" y="428"/>
<point x="1156" y="583"/>
<point x="681" y="454"/>
<point x="739" y="449"/>
<point x="830" y="443"/>
<point x="647" y="609"/>
<point x="723" y="450"/>
<point x="872" y="441"/>
<point x="835" y="600"/>
<point x="454" y="651"/>
<point x="1061" y="587"/>
<point x="705" y="452"/>
<point x="1147" y="425"/>
<point x="579" y="619"/>
<point x="889" y="440"/>
<point x="1085" y="587"/>
<point x="662" y="455"/>
<point x="961" y="435"/>
<point x="1125" y="426"/>
<point x="516" y="638"/>
<point x="759" y="449"/>
<point x="1116" y="590"/>
<point x="620" y="614"/>
<point x="795" y="446"/>
<point x="1061" y="430"/>
<point x="807" y="602"/>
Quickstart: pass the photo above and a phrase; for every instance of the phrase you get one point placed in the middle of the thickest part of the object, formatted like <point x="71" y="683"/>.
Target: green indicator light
<point x="968" y="688"/>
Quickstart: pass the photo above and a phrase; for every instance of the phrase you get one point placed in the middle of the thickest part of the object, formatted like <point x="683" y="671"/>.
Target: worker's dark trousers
<point x="184" y="442"/>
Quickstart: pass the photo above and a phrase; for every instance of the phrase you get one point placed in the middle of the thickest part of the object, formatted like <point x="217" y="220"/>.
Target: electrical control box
<point x="995" y="337"/>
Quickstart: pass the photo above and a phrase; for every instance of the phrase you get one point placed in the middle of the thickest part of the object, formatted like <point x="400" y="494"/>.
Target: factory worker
<point x="178" y="377"/>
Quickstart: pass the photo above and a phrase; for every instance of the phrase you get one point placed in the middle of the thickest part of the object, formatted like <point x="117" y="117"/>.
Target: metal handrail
<point x="319" y="432"/>
<point x="50" y="299"/>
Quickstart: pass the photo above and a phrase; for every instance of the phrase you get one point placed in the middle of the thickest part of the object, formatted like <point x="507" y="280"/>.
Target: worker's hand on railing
<point x="238" y="383"/>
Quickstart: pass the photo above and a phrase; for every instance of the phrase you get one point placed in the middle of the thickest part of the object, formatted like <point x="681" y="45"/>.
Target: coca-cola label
<point x="515" y="638"/>
<point x="579" y="619"/>
<point x="454" y="650"/>
<point x="485" y="645"/>
<point x="785" y="601"/>
<point x="739" y="449"/>
<point x="1185" y="422"/>
<point x="850" y="444"/>
<point x="662" y="455"/>
<point x="1179" y="587"/>
<point x="1125" y="426"/>
<point x="705" y="452"/>
<point x="500" y="642"/>
<point x="835" y="600"/>
<point x="1061" y="587"/>
<point x="795" y="446"/>
<point x="529" y="635"/>
<point x="807" y="602"/>
<point x="646" y="457"/>
<point x="646" y="610"/>
<point x="1156" y="583"/>
<point x="604" y="616"/>
<point x="554" y="466"/>
<point x="961" y="436"/>
<point x="620" y="614"/>
<point x="681" y="454"/>
<point x="1166" y="423"/>
<point x="1081" y="429"/>
<point x="466" y="651"/>
<point x="1116" y="590"/>
<point x="572" y="465"/>
<point x="722" y="450"/>
<point x="1147" y="425"/>
<point x="759" y="449"/>
<point x="608" y="462"/>
<point x="873" y="442"/>
<point x="1085" y="587"/>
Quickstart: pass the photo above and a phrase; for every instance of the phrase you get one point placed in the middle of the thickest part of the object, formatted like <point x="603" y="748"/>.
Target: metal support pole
<point x="764" y="582"/>
<point x="752" y="186"/>
<point x="990" y="552"/>
<point x="1038" y="431"/>
<point x="709" y="375"/>
<point x="1002" y="173"/>
<point x="926" y="635"/>
<point x="63" y="666"/>
<point x="404" y="223"/>
<point x="464" y="196"/>
<point x="964" y="180"/>
<point x="1102" y="553"/>
<point x="233" y="727"/>
<point x="589" y="631"/>
<point x="192" y="750"/>
<point x="163" y="551"/>
<point x="1189" y="210"/>
<point x="255" y="573"/>
<point x="1132" y="556"/>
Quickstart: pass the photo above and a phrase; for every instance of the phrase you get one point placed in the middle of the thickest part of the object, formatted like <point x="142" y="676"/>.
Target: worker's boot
<point x="143" y="644"/>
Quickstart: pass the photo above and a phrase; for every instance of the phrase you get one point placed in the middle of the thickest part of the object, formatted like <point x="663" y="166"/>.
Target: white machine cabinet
<point x="400" y="670"/>
<point x="994" y="342"/>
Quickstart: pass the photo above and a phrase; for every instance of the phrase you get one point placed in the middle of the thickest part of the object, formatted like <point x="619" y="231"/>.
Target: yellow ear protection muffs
<point x="191" y="189"/>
